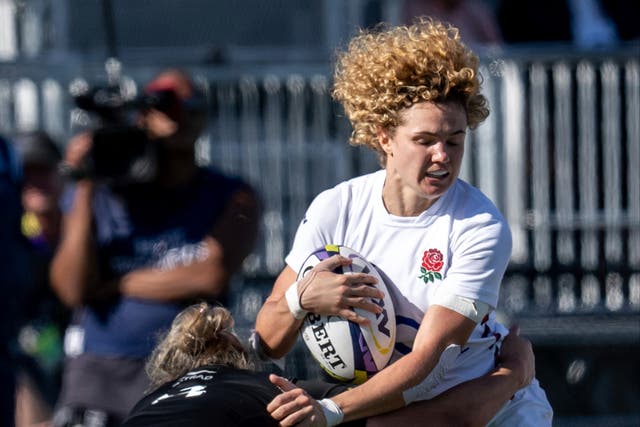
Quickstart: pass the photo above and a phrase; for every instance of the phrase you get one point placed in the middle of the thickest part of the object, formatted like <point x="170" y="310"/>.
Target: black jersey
<point x="212" y="395"/>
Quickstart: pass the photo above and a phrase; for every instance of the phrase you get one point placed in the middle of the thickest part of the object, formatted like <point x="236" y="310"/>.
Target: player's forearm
<point x="383" y="392"/>
<point x="476" y="402"/>
<point x="473" y="403"/>
<point x="440" y="328"/>
<point x="277" y="327"/>
<point x="488" y="394"/>
<point x="74" y="264"/>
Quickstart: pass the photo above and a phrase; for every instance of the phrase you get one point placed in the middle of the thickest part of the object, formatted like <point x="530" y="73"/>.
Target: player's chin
<point x="433" y="194"/>
<point x="434" y="188"/>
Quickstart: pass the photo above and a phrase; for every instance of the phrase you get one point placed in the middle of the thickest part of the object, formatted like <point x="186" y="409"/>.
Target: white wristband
<point x="293" y="301"/>
<point x="332" y="412"/>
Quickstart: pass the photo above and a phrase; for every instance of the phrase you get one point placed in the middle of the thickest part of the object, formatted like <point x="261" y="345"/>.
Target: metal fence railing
<point x="559" y="155"/>
<point x="572" y="189"/>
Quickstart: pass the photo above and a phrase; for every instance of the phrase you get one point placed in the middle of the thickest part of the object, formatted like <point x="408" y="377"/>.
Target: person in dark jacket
<point x="133" y="254"/>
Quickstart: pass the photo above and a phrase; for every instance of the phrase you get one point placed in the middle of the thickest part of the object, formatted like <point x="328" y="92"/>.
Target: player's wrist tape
<point x="332" y="412"/>
<point x="293" y="301"/>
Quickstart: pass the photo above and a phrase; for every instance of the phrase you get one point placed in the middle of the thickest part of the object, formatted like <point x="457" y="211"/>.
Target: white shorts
<point x="528" y="408"/>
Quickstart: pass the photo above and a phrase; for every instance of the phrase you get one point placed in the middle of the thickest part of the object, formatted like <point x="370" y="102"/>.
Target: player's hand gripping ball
<point x="347" y="351"/>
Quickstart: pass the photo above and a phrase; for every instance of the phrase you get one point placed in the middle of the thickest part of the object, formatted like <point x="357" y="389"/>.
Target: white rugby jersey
<point x="461" y="246"/>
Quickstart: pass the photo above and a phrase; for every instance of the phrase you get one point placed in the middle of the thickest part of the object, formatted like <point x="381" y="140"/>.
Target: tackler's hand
<point x="294" y="406"/>
<point x="517" y="355"/>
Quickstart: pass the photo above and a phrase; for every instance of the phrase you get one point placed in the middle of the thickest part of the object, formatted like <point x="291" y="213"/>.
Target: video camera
<point x="121" y="152"/>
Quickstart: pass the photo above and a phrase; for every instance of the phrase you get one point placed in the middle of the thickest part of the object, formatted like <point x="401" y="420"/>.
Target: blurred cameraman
<point x="131" y="257"/>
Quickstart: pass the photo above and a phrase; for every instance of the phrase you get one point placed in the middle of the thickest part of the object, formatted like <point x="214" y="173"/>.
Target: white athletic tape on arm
<point x="332" y="412"/>
<point x="293" y="301"/>
<point x="422" y="390"/>
<point x="474" y="310"/>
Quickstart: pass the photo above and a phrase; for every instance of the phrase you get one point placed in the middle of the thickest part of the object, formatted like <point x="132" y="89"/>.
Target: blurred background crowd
<point x="559" y="155"/>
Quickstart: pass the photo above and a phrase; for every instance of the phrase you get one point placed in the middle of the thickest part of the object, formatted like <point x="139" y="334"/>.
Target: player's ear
<point x="384" y="139"/>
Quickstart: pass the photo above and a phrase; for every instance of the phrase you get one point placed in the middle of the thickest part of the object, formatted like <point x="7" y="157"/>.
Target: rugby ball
<point x="347" y="351"/>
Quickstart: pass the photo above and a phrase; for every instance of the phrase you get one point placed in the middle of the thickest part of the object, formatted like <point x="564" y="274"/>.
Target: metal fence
<point x="559" y="155"/>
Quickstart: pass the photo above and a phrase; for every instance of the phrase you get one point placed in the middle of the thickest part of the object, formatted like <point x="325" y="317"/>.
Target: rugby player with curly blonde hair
<point x="384" y="72"/>
<point x="411" y="93"/>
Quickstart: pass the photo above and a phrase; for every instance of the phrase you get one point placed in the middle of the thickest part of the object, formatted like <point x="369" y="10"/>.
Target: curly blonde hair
<point x="201" y="334"/>
<point x="388" y="69"/>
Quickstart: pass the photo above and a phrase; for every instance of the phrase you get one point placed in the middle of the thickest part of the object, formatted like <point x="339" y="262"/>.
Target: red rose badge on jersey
<point x="432" y="262"/>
